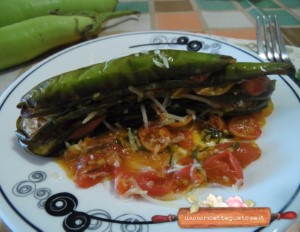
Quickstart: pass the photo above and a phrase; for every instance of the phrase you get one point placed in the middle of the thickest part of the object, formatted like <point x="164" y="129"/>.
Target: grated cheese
<point x="67" y="144"/>
<point x="132" y="143"/>
<point x="156" y="149"/>
<point x="156" y="102"/>
<point x="144" y="115"/>
<point x="157" y="51"/>
<point x="158" y="63"/>
<point x="166" y="100"/>
<point x="173" y="116"/>
<point x="167" y="121"/>
<point x="191" y="113"/>
<point x="238" y="184"/>
<point x="176" y="167"/>
<point x="195" y="166"/>
<point x="89" y="117"/>
<point x="116" y="164"/>
<point x="200" y="99"/>
<point x="164" y="60"/>
<point x="119" y="126"/>
<point x="178" y="138"/>
<point x="110" y="127"/>
<point x="136" y="91"/>
<point x="135" y="189"/>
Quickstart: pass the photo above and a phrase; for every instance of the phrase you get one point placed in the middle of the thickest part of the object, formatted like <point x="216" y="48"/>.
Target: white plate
<point x="27" y="182"/>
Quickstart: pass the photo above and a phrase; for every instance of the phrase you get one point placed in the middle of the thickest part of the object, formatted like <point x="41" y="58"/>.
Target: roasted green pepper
<point x="137" y="69"/>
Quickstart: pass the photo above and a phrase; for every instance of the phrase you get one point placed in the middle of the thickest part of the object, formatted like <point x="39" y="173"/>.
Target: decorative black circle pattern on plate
<point x="61" y="204"/>
<point x="64" y="204"/>
<point x="130" y="227"/>
<point x="159" y="41"/>
<point x="76" y="221"/>
<point x="96" y="224"/>
<point x="27" y="187"/>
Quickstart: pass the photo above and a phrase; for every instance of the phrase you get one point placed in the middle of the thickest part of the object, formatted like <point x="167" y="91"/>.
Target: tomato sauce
<point x="164" y="161"/>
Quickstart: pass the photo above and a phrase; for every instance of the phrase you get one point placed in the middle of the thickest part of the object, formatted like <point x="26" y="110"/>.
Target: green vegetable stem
<point x="13" y="11"/>
<point x="23" y="41"/>
<point x="242" y="71"/>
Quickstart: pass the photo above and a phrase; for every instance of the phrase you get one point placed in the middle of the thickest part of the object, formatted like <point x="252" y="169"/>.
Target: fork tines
<point x="270" y="44"/>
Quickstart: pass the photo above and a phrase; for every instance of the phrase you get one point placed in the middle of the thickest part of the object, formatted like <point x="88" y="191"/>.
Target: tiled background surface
<point x="229" y="18"/>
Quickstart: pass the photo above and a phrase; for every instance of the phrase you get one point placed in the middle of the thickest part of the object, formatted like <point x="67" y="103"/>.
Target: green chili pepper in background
<point x="135" y="70"/>
<point x="14" y="11"/>
<point x="23" y="41"/>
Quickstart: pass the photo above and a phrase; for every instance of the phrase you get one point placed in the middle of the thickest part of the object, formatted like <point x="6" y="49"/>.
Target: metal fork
<point x="270" y="44"/>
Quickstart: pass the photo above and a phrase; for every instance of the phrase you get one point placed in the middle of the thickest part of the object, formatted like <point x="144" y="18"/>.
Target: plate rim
<point x="8" y="91"/>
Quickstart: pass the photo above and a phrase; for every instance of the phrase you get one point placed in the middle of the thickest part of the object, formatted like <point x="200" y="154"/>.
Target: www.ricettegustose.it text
<point x="224" y="218"/>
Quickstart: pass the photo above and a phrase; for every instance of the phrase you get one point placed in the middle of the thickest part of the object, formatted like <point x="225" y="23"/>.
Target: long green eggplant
<point x="115" y="91"/>
<point x="25" y="40"/>
<point x="14" y="11"/>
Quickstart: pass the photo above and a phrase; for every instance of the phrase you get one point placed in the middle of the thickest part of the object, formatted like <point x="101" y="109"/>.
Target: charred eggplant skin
<point x="136" y="69"/>
<point x="102" y="90"/>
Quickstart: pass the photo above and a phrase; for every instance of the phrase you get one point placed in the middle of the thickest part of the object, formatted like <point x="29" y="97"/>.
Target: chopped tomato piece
<point x="245" y="127"/>
<point x="158" y="184"/>
<point x="86" y="128"/>
<point x="91" y="170"/>
<point x="154" y="138"/>
<point x="255" y="86"/>
<point x="216" y="122"/>
<point x="223" y="168"/>
<point x="88" y="180"/>
<point x="245" y="152"/>
<point x="185" y="160"/>
<point x="166" y="167"/>
<point x="190" y="173"/>
<point x="122" y="181"/>
<point x="184" y="138"/>
<point x="155" y="185"/>
<point x="150" y="182"/>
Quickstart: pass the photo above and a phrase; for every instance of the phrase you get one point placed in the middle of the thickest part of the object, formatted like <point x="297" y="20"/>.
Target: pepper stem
<point x="101" y="18"/>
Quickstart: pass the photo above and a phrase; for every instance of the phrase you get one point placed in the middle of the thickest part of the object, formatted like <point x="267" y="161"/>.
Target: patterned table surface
<point x="229" y="18"/>
<point x="225" y="18"/>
